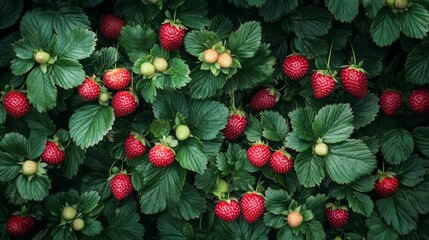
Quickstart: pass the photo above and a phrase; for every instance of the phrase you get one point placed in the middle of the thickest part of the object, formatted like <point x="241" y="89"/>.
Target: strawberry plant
<point x="226" y="119"/>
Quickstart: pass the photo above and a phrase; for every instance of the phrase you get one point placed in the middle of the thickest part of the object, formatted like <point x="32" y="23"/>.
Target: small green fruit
<point x="338" y="238"/>
<point x="182" y="132"/>
<point x="222" y="186"/>
<point x="41" y="57"/>
<point x="210" y="56"/>
<point x="78" y="224"/>
<point x="321" y="149"/>
<point x="153" y="1"/>
<point x="160" y="64"/>
<point x="29" y="168"/>
<point x="147" y="69"/>
<point x="69" y="213"/>
<point x="390" y="3"/>
<point x="401" y="4"/>
<point x="104" y="97"/>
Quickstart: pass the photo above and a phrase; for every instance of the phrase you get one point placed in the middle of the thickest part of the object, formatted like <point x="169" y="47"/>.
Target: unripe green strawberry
<point x="161" y="156"/>
<point x="281" y="161"/>
<point x="153" y="1"/>
<point x="182" y="132"/>
<point x="124" y="103"/>
<point x="160" y="64"/>
<point x="222" y="186"/>
<point x="294" y="219"/>
<point x="338" y="238"/>
<point x="111" y="26"/>
<point x="121" y="186"/>
<point x="227" y="210"/>
<point x="235" y="126"/>
<point x="89" y="89"/>
<point x="117" y="79"/>
<point x="41" y="57"/>
<point x="401" y="4"/>
<point x="68" y="213"/>
<point x="252" y="206"/>
<point x="336" y="216"/>
<point x="321" y="149"/>
<point x="258" y="154"/>
<point x="29" y="168"/>
<point x="390" y="3"/>
<point x="20" y="225"/>
<point x="16" y="104"/>
<point x="225" y="60"/>
<point x="134" y="146"/>
<point x="147" y="69"/>
<point x="322" y="84"/>
<point x="78" y="224"/>
<point x="53" y="153"/>
<point x="295" y="66"/>
<point x="103" y="97"/>
<point x="171" y="36"/>
<point x="210" y="56"/>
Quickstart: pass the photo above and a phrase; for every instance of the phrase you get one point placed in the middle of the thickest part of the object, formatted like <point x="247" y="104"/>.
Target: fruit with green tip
<point x="161" y="155"/>
<point x="281" y="161"/>
<point x="355" y="81"/>
<point x="124" y="103"/>
<point x="103" y="97"/>
<point x="401" y="4"/>
<point x="390" y="102"/>
<point x="236" y="125"/>
<point x="294" y="219"/>
<point x="111" y="26"/>
<point x="53" y="154"/>
<point x="182" y="132"/>
<point x="68" y="213"/>
<point x="322" y="84"/>
<point x="160" y="64"/>
<point x="418" y="101"/>
<point x="225" y="60"/>
<point x="252" y="206"/>
<point x="147" y="69"/>
<point x="258" y="154"/>
<point x="386" y="185"/>
<point x="264" y="99"/>
<point x="210" y="56"/>
<point x="227" y="210"/>
<point x="321" y="149"/>
<point x="16" y="104"/>
<point x="78" y="224"/>
<point x="20" y="225"/>
<point x="29" y="168"/>
<point x="89" y="90"/>
<point x="295" y="66"/>
<point x="121" y="186"/>
<point x="390" y="3"/>
<point x="134" y="146"/>
<point x="171" y="36"/>
<point x="222" y="186"/>
<point x="41" y="57"/>
<point x="336" y="216"/>
<point x="117" y="78"/>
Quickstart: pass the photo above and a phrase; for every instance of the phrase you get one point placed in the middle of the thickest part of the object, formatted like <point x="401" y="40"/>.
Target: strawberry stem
<point x="329" y="56"/>
<point x="174" y="16"/>
<point x="353" y="52"/>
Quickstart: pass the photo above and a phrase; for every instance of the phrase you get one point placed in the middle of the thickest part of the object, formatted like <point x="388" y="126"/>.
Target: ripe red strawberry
<point x="161" y="156"/>
<point x="53" y="153"/>
<point x="337" y="216"/>
<point x="121" y="186"/>
<point x="20" y="225"/>
<point x="89" y="89"/>
<point x="418" y="101"/>
<point x="386" y="185"/>
<point x="295" y="66"/>
<point x="171" y="36"/>
<point x="236" y="125"/>
<point x="111" y="26"/>
<point x="252" y="206"/>
<point x="390" y="102"/>
<point x="124" y="103"/>
<point x="281" y="161"/>
<point x="117" y="79"/>
<point x="322" y="84"/>
<point x="264" y="99"/>
<point x="16" y="104"/>
<point x="258" y="154"/>
<point x="355" y="81"/>
<point x="227" y="210"/>
<point x="134" y="146"/>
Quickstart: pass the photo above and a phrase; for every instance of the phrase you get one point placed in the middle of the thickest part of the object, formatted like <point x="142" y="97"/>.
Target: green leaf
<point x="276" y="200"/>
<point x="348" y="161"/>
<point x="253" y="129"/>
<point x="411" y="172"/>
<point x="414" y="22"/>
<point x="206" y="118"/>
<point x="160" y="128"/>
<point x="378" y="229"/>
<point x="197" y="42"/>
<point x="364" y="184"/>
<point x="138" y="166"/>
<point x="245" y="41"/>
<point x="317" y="205"/>
<point x="136" y="11"/>
<point x="315" y="230"/>
<point x="207" y="181"/>
<point x="100" y="61"/>
<point x="343" y="10"/>
<point x="294" y="142"/>
<point x="360" y="203"/>
<point x="21" y="66"/>
<point x="74" y="157"/>
<point x="191" y="204"/>
<point x="372" y="7"/>
<point x="364" y="110"/>
<point x="40" y="123"/>
<point x="7" y="53"/>
<point x="9" y="168"/>
<point x="90" y="123"/>
<point x="130" y="35"/>
<point x="168" y="104"/>
<point x="312" y="21"/>
<point x="309" y="168"/>
<point x="204" y="84"/>
<point x="124" y="221"/>
<point x="273" y="10"/>
<point x="96" y="182"/>
<point x="67" y="73"/>
<point x="193" y="14"/>
<point x="397" y="145"/>
<point x="174" y="229"/>
<point x="36" y="27"/>
<point x="287" y="233"/>
<point x="220" y="25"/>
<point x="148" y="90"/>
<point x="88" y="201"/>
<point x="417" y="64"/>
<point x="10" y="10"/>
<point x="274" y="221"/>
<point x="421" y="140"/>
<point x="178" y="74"/>
<point x="191" y="156"/>
<point x="42" y="92"/>
<point x="23" y="48"/>
<point x="311" y="47"/>
<point x="240" y="229"/>
<point x="232" y="160"/>
<point x="67" y="17"/>
<point x="92" y="227"/>
<point x="333" y="123"/>
<point x="161" y="186"/>
<point x="35" y="146"/>
<point x="274" y="125"/>
<point x="36" y="189"/>
<point x="76" y="44"/>
<point x="417" y="196"/>
<point x="398" y="213"/>
<point x="385" y="28"/>
<point x="371" y="55"/>
<point x="14" y="144"/>
<point x="301" y="120"/>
